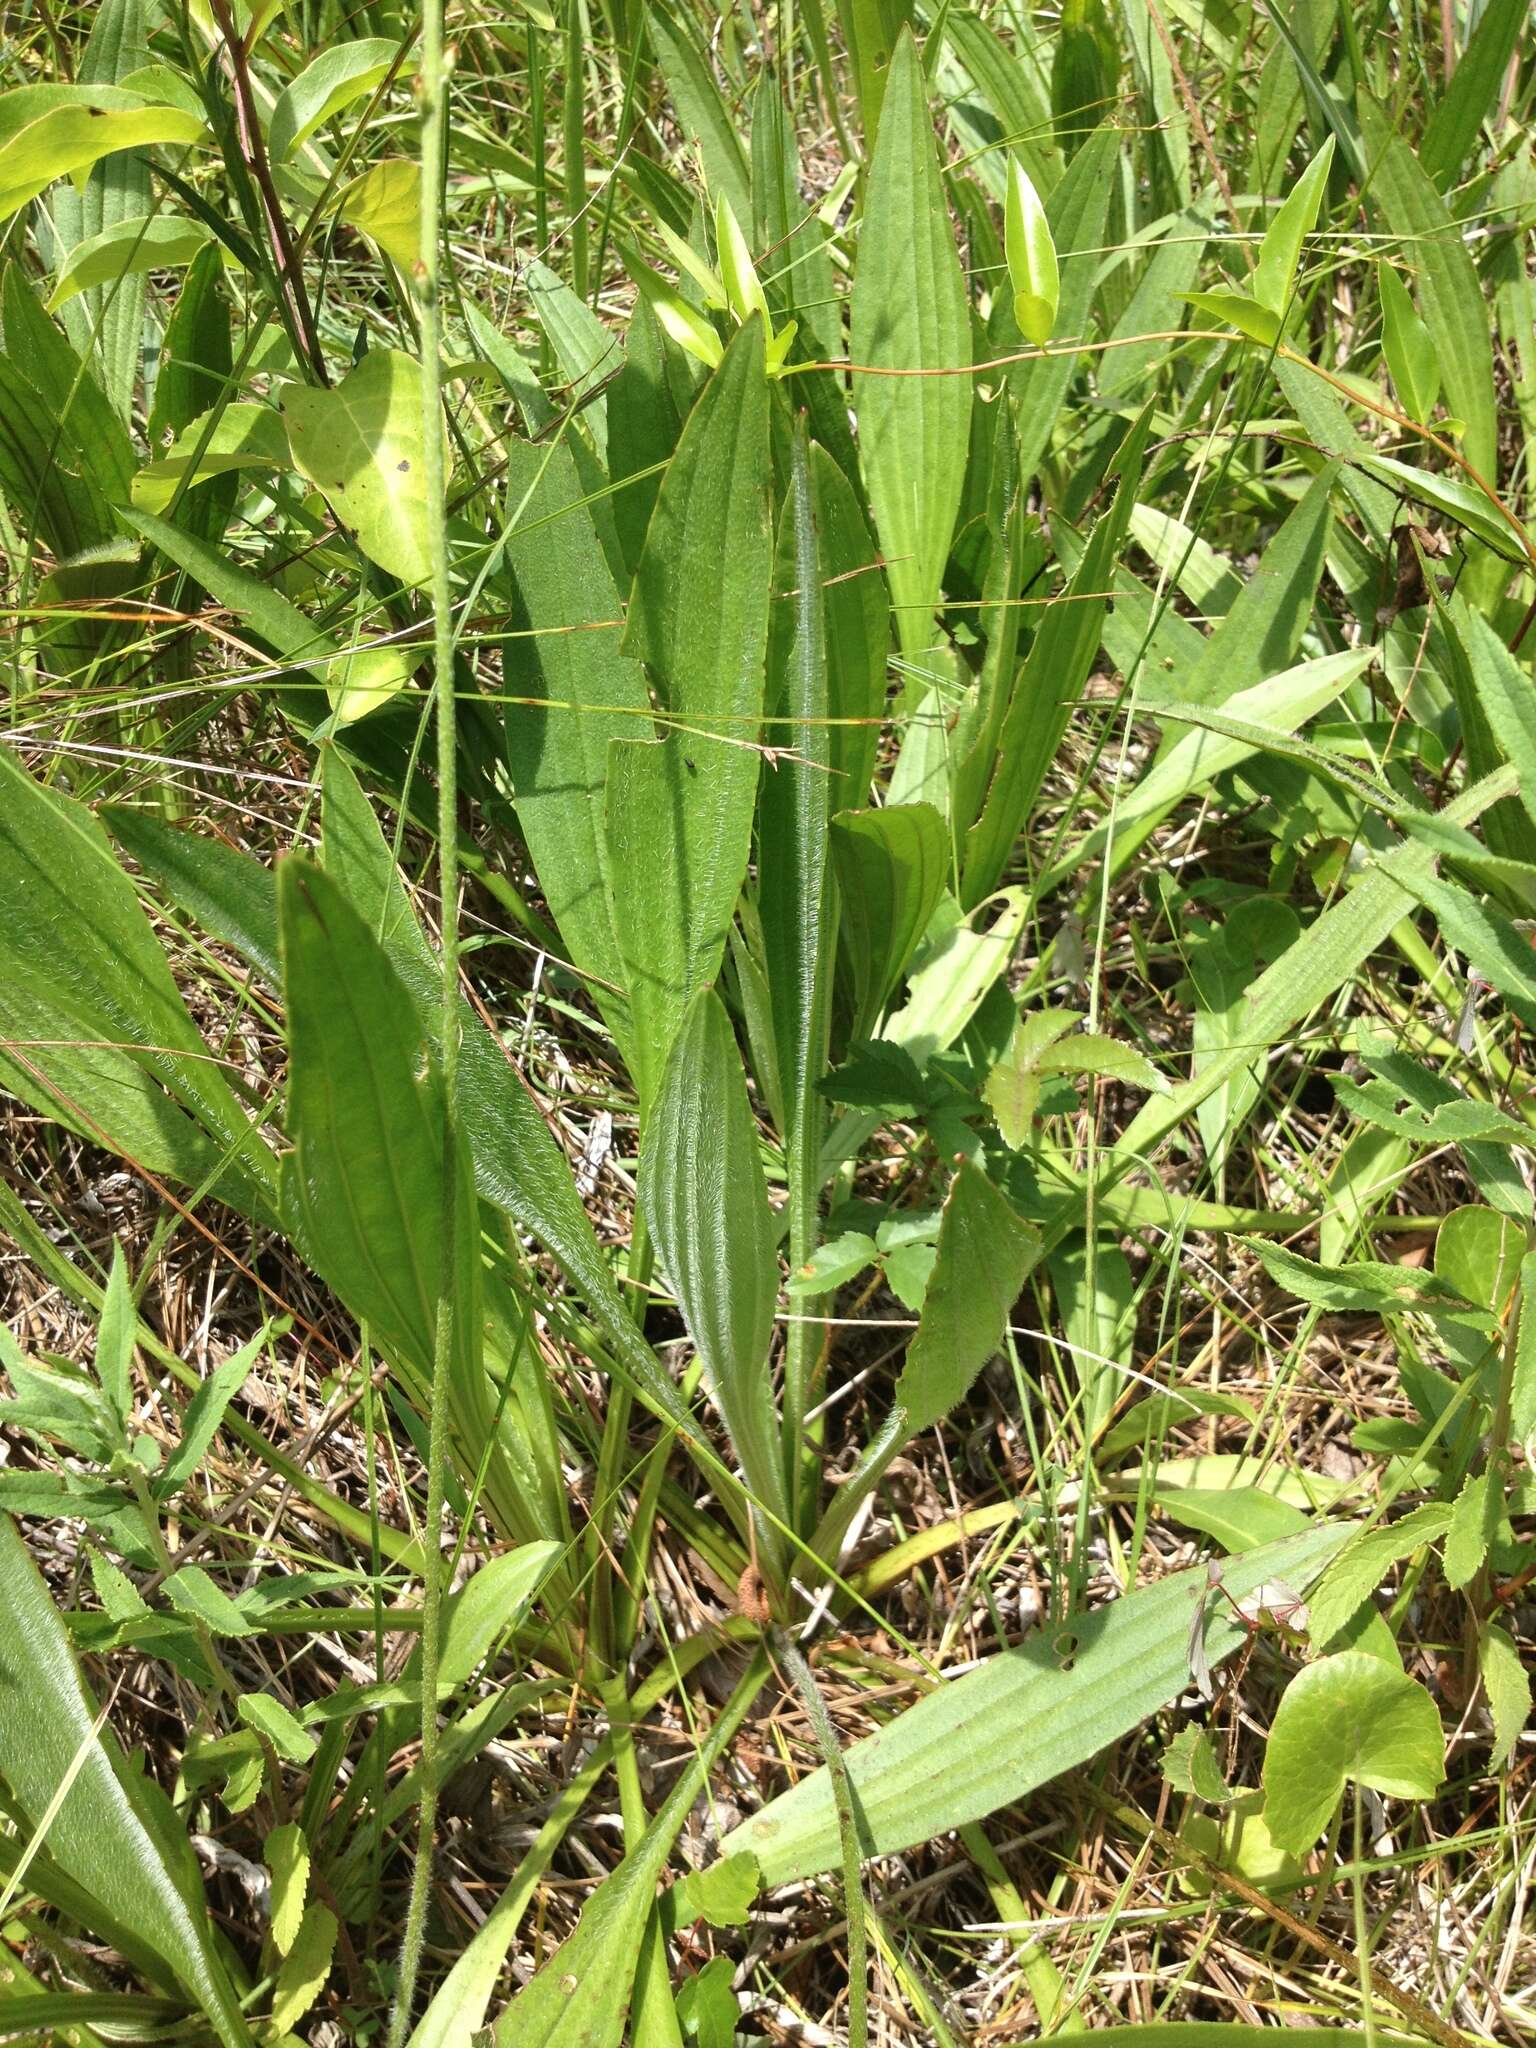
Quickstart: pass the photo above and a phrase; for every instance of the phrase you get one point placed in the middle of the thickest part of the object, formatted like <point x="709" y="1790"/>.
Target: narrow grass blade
<point x="1307" y="974"/>
<point x="1448" y="293"/>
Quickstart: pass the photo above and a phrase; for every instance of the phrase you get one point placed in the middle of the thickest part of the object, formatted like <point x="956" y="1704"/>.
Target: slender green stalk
<point x="655" y="2014"/>
<point x="573" y="131"/>
<point x="803" y="1678"/>
<point x="1362" y="1931"/>
<point x="436" y="64"/>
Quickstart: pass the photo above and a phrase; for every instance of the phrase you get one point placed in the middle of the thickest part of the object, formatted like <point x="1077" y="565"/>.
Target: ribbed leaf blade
<point x="679" y="811"/>
<point x="1021" y="1719"/>
<point x="703" y="1189"/>
<point x="107" y="1832"/>
<point x="95" y="1028"/>
<point x="910" y="314"/>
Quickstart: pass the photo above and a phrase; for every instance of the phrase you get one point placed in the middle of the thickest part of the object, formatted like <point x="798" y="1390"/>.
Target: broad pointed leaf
<point x="910" y="318"/>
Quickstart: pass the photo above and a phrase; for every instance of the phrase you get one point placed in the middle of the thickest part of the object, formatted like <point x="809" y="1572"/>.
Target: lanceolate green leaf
<point x="1504" y="691"/>
<point x="870" y="28"/>
<point x="1083" y="71"/>
<point x="1473" y="91"/>
<point x="995" y="1735"/>
<point x="1507" y="1686"/>
<point x="231" y="895"/>
<point x="196" y="359"/>
<point x="1076" y="213"/>
<point x="110" y="1832"/>
<point x="973" y="749"/>
<point x="1057" y="667"/>
<point x="63" y="506"/>
<point x="796" y="897"/>
<point x="95" y="437"/>
<point x="364" y="1182"/>
<point x="985" y="1252"/>
<point x="95" y="1030"/>
<point x="643" y="428"/>
<point x="1449" y="297"/>
<point x="1013" y="90"/>
<point x="517" y="1163"/>
<point x="702" y="1185"/>
<point x="701" y="111"/>
<point x="892" y="865"/>
<point x="858" y="634"/>
<point x="588" y="353"/>
<point x="910" y="317"/>
<point x="963" y="956"/>
<point x="1274" y="275"/>
<point x="564" y="651"/>
<point x="679" y="811"/>
<point x="1408" y="348"/>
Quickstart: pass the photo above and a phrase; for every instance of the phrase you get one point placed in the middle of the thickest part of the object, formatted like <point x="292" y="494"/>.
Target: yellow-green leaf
<point x="1238" y="310"/>
<point x="361" y="444"/>
<point x="1349" y="1719"/>
<point x="738" y="274"/>
<point x="287" y="1859"/>
<point x="305" y="1967"/>
<point x="1031" y="253"/>
<point x="130" y="248"/>
<point x="60" y="131"/>
<point x="677" y="319"/>
<point x="385" y="205"/>
<point x="1280" y="251"/>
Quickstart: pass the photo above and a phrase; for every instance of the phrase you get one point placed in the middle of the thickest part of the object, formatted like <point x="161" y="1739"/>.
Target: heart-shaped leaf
<point x="385" y="205"/>
<point x="361" y="444"/>
<point x="1349" y="1719"/>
